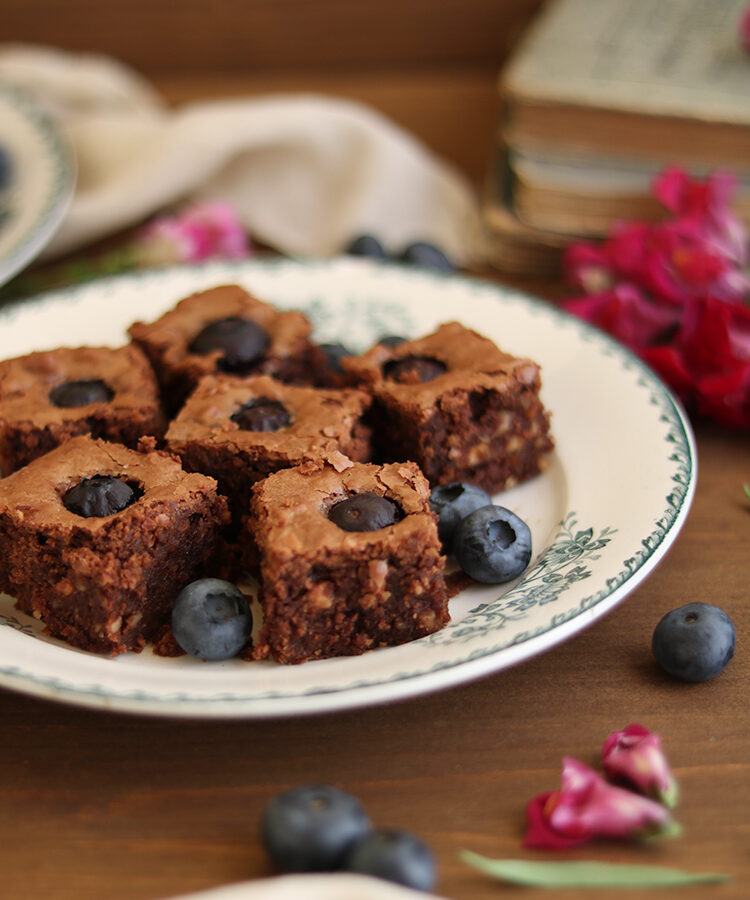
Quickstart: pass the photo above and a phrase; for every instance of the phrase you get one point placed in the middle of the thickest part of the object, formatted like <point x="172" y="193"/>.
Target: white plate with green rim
<point x="603" y="514"/>
<point x="41" y="181"/>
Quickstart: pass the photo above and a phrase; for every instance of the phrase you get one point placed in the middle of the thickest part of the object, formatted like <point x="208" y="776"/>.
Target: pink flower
<point x="676" y="293"/>
<point x="744" y="29"/>
<point x="626" y="313"/>
<point x="635" y="755"/>
<point x="200" y="232"/>
<point x="586" y="806"/>
<point x="708" y="362"/>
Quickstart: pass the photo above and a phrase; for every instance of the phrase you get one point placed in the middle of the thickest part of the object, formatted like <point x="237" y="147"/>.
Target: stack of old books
<point x="599" y="96"/>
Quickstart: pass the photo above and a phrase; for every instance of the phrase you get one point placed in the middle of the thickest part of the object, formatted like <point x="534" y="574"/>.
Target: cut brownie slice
<point x="239" y="430"/>
<point x="458" y="406"/>
<point x="225" y="329"/>
<point x="327" y="591"/>
<point x="96" y="540"/>
<point x="48" y="397"/>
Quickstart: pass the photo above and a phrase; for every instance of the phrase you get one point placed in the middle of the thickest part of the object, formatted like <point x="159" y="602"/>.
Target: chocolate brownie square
<point x="239" y="430"/>
<point x="327" y="590"/>
<point x="96" y="540"/>
<point x="225" y="329"/>
<point x="458" y="406"/>
<point x="48" y="397"/>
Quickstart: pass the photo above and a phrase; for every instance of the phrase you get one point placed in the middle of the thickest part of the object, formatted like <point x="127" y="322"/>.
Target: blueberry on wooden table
<point x="452" y="503"/>
<point x="394" y="855"/>
<point x="211" y="619"/>
<point x="492" y="545"/>
<point x="312" y="828"/>
<point x="100" y="495"/>
<point x="694" y="642"/>
<point x="366" y="245"/>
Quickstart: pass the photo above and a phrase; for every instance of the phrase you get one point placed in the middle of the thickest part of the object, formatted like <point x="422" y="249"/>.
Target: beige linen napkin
<point x="305" y="173"/>
<point x="340" y="886"/>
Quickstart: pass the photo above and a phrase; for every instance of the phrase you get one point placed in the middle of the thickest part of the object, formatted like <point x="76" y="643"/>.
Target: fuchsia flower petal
<point x="744" y="29"/>
<point x="626" y="313"/>
<point x="677" y="294"/>
<point x="635" y="755"/>
<point x="586" y="807"/>
<point x="199" y="232"/>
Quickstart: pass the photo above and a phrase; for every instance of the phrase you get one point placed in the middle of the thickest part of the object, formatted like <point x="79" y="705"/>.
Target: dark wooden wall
<point x="251" y="35"/>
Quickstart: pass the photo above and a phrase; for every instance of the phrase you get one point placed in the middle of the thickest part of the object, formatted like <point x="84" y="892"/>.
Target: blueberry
<point x="100" y="495"/>
<point x="395" y="856"/>
<point x="364" y="512"/>
<point x="453" y="502"/>
<point x="413" y="369"/>
<point x="421" y="253"/>
<point x="211" y="619"/>
<point x="391" y="340"/>
<point x="334" y="353"/>
<point x="80" y="393"/>
<point x="366" y="245"/>
<point x="242" y="341"/>
<point x="262" y="414"/>
<point x="694" y="642"/>
<point x="492" y="545"/>
<point x="312" y="828"/>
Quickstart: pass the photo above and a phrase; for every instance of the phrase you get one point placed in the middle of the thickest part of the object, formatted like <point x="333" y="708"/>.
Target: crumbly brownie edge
<point x="337" y="605"/>
<point x="109" y="595"/>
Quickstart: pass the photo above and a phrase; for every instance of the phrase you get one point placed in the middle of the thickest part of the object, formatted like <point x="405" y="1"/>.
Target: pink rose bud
<point x="586" y="806"/>
<point x="635" y="755"/>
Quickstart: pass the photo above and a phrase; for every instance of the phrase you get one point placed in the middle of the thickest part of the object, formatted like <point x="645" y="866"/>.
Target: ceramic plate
<point x="602" y="515"/>
<point x="33" y="204"/>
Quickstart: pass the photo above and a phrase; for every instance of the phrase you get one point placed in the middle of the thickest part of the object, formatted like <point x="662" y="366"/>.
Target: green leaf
<point x="586" y="873"/>
<point x="747" y="490"/>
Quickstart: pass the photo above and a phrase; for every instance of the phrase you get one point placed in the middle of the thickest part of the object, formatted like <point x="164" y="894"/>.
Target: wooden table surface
<point x="96" y="805"/>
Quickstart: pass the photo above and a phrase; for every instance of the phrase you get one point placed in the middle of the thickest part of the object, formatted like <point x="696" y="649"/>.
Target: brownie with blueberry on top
<point x="225" y="329"/>
<point x="49" y="396"/>
<point x="97" y="540"/>
<point x="349" y="560"/>
<point x="239" y="430"/>
<point x="458" y="406"/>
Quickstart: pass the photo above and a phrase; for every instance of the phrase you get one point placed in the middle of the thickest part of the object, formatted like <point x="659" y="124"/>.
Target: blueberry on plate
<point x="394" y="856"/>
<point x="694" y="642"/>
<point x="422" y="253"/>
<point x="453" y="502"/>
<point x="391" y="340"/>
<point x="211" y="619"/>
<point x="312" y="828"/>
<point x="366" y="245"/>
<point x="492" y="545"/>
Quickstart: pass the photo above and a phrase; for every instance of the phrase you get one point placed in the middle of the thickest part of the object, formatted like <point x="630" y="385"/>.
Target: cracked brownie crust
<point x="104" y="583"/>
<point x="167" y="341"/>
<point x="329" y="592"/>
<point x="30" y="422"/>
<point x="480" y="419"/>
